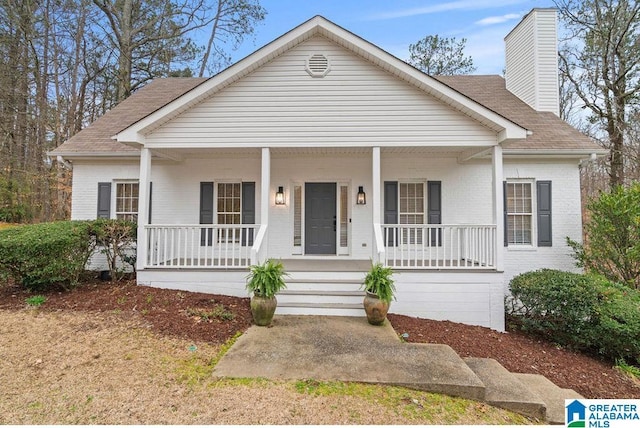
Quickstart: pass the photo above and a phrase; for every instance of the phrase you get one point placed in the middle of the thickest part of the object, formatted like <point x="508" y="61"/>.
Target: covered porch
<point x="281" y="228"/>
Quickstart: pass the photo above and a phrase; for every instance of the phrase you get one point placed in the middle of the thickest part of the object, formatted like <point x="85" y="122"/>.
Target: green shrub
<point x="612" y="245"/>
<point x="583" y="312"/>
<point x="115" y="239"/>
<point x="616" y="334"/>
<point x="40" y="255"/>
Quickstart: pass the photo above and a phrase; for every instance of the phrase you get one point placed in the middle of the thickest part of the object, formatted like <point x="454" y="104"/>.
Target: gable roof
<point x="484" y="98"/>
<point x="319" y="26"/>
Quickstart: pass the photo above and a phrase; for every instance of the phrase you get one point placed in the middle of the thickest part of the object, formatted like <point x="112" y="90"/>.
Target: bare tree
<point x="231" y="21"/>
<point x="149" y="35"/>
<point x="437" y="55"/>
<point x="601" y="59"/>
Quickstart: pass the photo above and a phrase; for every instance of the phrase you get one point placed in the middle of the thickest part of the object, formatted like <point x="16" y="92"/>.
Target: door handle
<point x="334" y="223"/>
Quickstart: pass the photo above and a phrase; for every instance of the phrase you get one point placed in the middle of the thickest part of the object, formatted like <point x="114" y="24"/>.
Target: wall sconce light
<point x="362" y="197"/>
<point x="280" y="196"/>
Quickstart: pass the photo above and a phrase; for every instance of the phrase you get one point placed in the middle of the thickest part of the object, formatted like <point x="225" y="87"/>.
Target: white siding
<point x="566" y="218"/>
<point x="470" y="298"/>
<point x="466" y="189"/>
<point x="354" y="170"/>
<point x="532" y="60"/>
<point x="356" y="103"/>
<point x="87" y="175"/>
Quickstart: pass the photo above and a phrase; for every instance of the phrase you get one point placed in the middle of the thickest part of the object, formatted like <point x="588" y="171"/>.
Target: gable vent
<point x="318" y="65"/>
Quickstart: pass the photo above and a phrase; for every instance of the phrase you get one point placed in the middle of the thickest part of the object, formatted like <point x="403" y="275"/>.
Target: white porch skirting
<point x="470" y="297"/>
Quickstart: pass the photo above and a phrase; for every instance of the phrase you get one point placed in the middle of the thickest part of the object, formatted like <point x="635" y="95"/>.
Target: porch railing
<point x="201" y="246"/>
<point x="439" y="246"/>
<point x="258" y="250"/>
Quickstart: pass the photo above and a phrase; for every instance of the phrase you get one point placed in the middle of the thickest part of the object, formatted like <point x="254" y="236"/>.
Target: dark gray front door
<point x="320" y="218"/>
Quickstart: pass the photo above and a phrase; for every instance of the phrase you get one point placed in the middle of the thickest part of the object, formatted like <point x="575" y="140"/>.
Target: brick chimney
<point x="531" y="51"/>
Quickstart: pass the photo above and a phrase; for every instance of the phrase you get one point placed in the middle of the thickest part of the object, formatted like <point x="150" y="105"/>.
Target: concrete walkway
<point x="349" y="349"/>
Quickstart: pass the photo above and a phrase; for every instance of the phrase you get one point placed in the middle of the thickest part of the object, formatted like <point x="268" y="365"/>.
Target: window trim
<point x="413" y="239"/>
<point x="533" y="214"/>
<point x="216" y="213"/>
<point x="114" y="199"/>
<point x="424" y="200"/>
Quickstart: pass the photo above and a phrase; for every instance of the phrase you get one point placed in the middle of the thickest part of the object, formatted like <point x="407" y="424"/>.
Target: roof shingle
<point x="96" y="138"/>
<point x="549" y="132"/>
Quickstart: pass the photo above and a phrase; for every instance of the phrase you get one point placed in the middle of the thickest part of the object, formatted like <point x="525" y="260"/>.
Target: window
<point x="344" y="216"/>
<point x="229" y="211"/>
<point x="411" y="202"/>
<point x="127" y="201"/>
<point x="297" y="216"/>
<point x="229" y="197"/>
<point x="519" y="213"/>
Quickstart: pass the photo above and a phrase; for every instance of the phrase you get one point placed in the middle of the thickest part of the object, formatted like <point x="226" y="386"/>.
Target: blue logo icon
<point x="576" y="414"/>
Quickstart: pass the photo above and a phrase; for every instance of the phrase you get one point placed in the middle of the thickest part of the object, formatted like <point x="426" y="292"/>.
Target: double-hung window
<point x="229" y="210"/>
<point x="411" y="203"/>
<point x="127" y="201"/>
<point x="519" y="213"/>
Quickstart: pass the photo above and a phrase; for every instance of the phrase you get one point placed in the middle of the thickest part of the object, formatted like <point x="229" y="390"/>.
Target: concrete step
<point x="551" y="394"/>
<point x="504" y="390"/>
<point x="325" y="309"/>
<point x="342" y="293"/>
<point x="325" y="277"/>
<point x="317" y="294"/>
<point x="435" y="368"/>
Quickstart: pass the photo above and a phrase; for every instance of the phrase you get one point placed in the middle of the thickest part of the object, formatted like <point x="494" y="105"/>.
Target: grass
<point x="35" y="301"/>
<point x="632" y="371"/>
<point x="198" y="368"/>
<point x="76" y="368"/>
<point x="217" y="312"/>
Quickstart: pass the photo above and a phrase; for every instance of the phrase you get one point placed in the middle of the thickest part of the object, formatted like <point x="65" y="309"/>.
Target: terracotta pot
<point x="262" y="309"/>
<point x="375" y="309"/>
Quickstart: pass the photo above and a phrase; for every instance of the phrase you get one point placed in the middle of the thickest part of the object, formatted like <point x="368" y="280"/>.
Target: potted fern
<point x="265" y="281"/>
<point x="380" y="289"/>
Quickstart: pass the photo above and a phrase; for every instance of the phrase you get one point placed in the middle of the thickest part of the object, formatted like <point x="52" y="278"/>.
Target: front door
<point x="320" y="218"/>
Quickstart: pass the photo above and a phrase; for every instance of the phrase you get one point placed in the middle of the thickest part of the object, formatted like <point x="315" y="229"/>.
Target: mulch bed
<point x="589" y="376"/>
<point x="215" y="319"/>
<point x="176" y="313"/>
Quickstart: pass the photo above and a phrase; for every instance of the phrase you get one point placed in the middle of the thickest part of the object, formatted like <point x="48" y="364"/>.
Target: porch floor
<point x="303" y="264"/>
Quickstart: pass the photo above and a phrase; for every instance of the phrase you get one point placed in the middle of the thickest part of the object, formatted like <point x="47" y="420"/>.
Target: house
<point x="576" y="412"/>
<point x="327" y="152"/>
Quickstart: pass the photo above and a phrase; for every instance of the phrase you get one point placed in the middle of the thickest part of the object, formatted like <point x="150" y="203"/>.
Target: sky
<point x="395" y="24"/>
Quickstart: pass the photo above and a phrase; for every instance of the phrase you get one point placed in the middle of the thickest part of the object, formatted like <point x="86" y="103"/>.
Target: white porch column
<point x="265" y="186"/>
<point x="376" y="206"/>
<point x="498" y="202"/>
<point x="143" y="207"/>
<point x="376" y="185"/>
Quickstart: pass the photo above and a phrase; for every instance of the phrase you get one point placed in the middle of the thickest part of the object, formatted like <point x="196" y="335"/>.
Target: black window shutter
<point x="150" y="192"/>
<point x="504" y="213"/>
<point x="434" y="210"/>
<point x="544" y="213"/>
<point x="104" y="200"/>
<point x="206" y="211"/>
<point x="248" y="210"/>
<point x="391" y="210"/>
